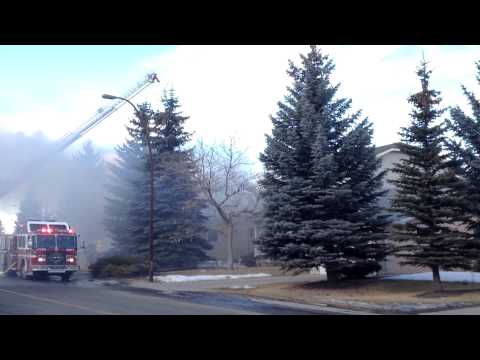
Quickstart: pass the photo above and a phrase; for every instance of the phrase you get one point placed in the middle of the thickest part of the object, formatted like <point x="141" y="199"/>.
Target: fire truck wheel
<point x="20" y="271"/>
<point x="66" y="276"/>
<point x="40" y="275"/>
<point x="23" y="271"/>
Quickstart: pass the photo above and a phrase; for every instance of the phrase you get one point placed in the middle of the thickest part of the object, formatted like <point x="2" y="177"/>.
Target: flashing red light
<point x="70" y="231"/>
<point x="49" y="230"/>
<point x="44" y="230"/>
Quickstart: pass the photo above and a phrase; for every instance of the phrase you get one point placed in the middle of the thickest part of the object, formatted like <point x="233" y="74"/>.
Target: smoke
<point x="68" y="186"/>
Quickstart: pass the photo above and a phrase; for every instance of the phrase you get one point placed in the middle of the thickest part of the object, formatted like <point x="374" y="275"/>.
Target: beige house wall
<point x="392" y="264"/>
<point x="243" y="238"/>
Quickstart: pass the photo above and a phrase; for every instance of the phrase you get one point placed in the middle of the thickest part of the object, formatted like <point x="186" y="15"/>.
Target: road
<point x="84" y="297"/>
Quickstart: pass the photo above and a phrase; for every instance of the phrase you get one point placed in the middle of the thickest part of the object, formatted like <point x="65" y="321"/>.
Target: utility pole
<point x="146" y="128"/>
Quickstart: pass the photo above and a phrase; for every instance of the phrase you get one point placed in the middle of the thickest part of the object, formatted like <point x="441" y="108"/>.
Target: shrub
<point x="476" y="266"/>
<point x="248" y="260"/>
<point x="360" y="271"/>
<point x="118" y="266"/>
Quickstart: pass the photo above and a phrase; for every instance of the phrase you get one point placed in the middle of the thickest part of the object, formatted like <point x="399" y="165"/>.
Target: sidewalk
<point x="313" y="307"/>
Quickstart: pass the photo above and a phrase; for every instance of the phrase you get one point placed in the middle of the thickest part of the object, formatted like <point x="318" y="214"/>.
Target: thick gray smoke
<point x="66" y="187"/>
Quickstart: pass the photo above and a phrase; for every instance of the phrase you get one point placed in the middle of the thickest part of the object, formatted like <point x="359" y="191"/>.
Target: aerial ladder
<point x="71" y="137"/>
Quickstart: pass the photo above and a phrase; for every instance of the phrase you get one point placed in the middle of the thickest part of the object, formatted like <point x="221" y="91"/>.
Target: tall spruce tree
<point x="322" y="180"/>
<point x="466" y="152"/>
<point x="127" y="177"/>
<point x="429" y="191"/>
<point x="179" y="219"/>
<point x="178" y="215"/>
<point x="31" y="208"/>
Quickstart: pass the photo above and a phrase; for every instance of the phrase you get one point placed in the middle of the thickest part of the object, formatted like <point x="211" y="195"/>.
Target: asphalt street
<point x="83" y="297"/>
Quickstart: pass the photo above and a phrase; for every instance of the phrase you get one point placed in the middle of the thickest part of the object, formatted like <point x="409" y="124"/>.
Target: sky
<point x="226" y="90"/>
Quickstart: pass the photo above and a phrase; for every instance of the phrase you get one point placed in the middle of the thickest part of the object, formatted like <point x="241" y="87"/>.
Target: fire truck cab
<point x="42" y="249"/>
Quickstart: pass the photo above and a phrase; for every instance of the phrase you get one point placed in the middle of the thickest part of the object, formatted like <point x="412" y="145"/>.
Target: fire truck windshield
<point x="36" y="227"/>
<point x="66" y="242"/>
<point x="44" y="242"/>
<point x="57" y="227"/>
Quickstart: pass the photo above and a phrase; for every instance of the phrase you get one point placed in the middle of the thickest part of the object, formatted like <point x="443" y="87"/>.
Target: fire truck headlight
<point x="71" y="260"/>
<point x="41" y="259"/>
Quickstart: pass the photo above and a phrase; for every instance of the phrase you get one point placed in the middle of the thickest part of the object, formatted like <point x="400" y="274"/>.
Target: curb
<point x="324" y="308"/>
<point x="314" y="307"/>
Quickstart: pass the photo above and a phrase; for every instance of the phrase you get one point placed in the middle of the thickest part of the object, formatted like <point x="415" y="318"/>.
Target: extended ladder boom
<point x="71" y="137"/>
<point x="102" y="113"/>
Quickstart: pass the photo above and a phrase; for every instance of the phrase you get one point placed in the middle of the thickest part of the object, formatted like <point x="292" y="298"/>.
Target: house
<point x="247" y="228"/>
<point x="245" y="233"/>
<point x="390" y="155"/>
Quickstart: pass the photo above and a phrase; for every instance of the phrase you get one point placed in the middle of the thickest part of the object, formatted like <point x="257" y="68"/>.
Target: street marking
<point x="57" y="302"/>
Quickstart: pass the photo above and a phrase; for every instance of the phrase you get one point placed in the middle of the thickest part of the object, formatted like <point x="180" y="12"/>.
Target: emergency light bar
<point x="50" y="231"/>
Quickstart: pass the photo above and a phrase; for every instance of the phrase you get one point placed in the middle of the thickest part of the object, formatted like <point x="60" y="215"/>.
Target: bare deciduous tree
<point x="227" y="182"/>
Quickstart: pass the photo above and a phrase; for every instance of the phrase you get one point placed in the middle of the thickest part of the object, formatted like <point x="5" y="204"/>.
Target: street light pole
<point x="146" y="126"/>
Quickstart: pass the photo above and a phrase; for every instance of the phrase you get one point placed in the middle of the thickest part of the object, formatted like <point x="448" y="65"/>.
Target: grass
<point x="371" y="291"/>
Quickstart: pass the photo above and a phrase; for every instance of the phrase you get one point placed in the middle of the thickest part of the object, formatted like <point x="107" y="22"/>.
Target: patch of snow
<point x="320" y="270"/>
<point x="447" y="276"/>
<point x="241" y="287"/>
<point x="184" y="278"/>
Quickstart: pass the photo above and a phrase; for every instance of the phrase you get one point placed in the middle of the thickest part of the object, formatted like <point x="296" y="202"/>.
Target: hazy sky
<point x="226" y="90"/>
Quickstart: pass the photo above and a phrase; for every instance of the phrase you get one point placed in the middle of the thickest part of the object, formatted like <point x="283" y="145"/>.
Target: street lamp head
<point x="109" y="97"/>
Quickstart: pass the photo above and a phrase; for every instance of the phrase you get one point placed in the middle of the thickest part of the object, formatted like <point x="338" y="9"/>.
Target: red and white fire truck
<point x="43" y="248"/>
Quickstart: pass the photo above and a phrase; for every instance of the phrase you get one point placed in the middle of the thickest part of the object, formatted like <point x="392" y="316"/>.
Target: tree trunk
<point x="332" y="276"/>
<point x="229" y="235"/>
<point x="437" y="283"/>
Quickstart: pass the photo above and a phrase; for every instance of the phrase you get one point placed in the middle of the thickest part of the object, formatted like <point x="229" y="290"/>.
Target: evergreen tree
<point x="178" y="217"/>
<point x="82" y="205"/>
<point x="322" y="182"/>
<point x="429" y="191"/>
<point x="466" y="153"/>
<point x="30" y="209"/>
<point x="127" y="177"/>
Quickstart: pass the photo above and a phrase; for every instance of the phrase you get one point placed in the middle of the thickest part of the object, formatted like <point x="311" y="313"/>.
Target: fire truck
<point x="47" y="247"/>
<point x="42" y="249"/>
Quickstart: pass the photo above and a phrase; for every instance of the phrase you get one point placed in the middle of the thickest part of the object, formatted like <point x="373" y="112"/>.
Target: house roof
<point x="381" y="150"/>
<point x="384" y="148"/>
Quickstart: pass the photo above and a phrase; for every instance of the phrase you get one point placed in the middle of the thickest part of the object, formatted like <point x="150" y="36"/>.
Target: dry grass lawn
<point x="371" y="291"/>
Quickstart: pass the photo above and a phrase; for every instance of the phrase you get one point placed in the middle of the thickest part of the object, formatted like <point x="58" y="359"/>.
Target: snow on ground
<point x="184" y="278"/>
<point x="448" y="276"/>
<point x="320" y="270"/>
<point x="242" y="287"/>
